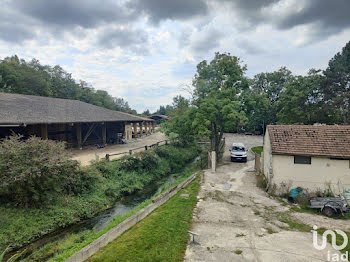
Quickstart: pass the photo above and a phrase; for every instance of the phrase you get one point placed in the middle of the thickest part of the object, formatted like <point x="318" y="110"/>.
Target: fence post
<point x="130" y="152"/>
<point x="209" y="160"/>
<point x="213" y="161"/>
<point x="107" y="157"/>
<point x="166" y="142"/>
<point x="146" y="147"/>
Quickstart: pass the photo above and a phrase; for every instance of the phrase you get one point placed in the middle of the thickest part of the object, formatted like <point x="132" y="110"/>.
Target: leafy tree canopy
<point x="32" y="78"/>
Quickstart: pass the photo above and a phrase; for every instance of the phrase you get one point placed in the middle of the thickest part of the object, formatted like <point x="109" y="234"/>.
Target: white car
<point x="238" y="152"/>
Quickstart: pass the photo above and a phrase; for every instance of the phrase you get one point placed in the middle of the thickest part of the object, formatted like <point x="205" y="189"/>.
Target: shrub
<point x="32" y="171"/>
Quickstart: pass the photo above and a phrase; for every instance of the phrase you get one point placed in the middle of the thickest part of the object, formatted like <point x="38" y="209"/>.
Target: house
<point x="72" y="121"/>
<point x="307" y="156"/>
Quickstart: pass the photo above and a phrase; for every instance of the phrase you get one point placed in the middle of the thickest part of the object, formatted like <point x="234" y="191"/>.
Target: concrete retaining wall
<point x="115" y="232"/>
<point x="257" y="165"/>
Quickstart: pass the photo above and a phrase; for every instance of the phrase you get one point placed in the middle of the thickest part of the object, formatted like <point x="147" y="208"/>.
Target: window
<point x="238" y="148"/>
<point x="302" y="160"/>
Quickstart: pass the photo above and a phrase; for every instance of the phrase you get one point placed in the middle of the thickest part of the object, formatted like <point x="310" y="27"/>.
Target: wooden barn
<point x="75" y="122"/>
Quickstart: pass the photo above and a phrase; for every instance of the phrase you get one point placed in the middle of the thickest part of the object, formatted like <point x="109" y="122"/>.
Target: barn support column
<point x="146" y="128"/>
<point x="135" y="129"/>
<point x="78" y="130"/>
<point x="141" y="129"/>
<point x="43" y="131"/>
<point x="104" y="133"/>
<point x="127" y="132"/>
<point x="153" y="126"/>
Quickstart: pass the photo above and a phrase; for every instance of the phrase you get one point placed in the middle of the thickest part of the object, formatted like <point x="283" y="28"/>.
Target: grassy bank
<point x="257" y="150"/>
<point x="112" y="181"/>
<point x="162" y="236"/>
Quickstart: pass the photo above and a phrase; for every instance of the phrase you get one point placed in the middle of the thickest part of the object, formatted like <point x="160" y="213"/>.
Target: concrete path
<point x="86" y="155"/>
<point x="236" y="221"/>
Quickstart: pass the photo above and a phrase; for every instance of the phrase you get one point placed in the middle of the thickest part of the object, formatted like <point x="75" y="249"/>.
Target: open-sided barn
<point x="78" y="123"/>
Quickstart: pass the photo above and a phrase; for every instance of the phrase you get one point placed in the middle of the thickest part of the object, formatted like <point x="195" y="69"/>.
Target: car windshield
<point x="238" y="148"/>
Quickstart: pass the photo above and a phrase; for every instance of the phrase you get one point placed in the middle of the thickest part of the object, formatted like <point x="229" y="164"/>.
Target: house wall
<point x="267" y="157"/>
<point x="312" y="176"/>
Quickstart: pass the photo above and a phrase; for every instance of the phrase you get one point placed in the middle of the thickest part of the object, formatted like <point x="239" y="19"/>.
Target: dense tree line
<point x="225" y="100"/>
<point x="33" y="78"/>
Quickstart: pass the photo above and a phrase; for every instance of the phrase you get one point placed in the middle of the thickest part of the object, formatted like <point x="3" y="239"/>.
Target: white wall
<point x="267" y="157"/>
<point x="312" y="176"/>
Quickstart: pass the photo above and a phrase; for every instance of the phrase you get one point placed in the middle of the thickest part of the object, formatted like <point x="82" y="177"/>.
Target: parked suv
<point x="238" y="152"/>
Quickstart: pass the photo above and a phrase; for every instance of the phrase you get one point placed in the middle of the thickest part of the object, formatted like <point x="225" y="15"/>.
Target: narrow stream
<point x="98" y="222"/>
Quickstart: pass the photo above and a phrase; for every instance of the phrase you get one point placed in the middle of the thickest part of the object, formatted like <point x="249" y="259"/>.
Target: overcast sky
<point x="145" y="50"/>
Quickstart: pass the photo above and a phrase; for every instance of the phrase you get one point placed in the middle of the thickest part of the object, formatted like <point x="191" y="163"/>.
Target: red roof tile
<point x="318" y="140"/>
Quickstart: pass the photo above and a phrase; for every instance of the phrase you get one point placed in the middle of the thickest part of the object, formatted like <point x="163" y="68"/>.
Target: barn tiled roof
<point x="28" y="109"/>
<point x="307" y="140"/>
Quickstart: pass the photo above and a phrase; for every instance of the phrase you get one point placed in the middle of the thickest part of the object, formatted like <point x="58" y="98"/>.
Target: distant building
<point x="158" y="118"/>
<point x="307" y="156"/>
<point x="72" y="121"/>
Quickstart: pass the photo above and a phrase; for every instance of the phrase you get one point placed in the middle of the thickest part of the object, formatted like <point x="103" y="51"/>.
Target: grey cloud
<point x="207" y="41"/>
<point x="132" y="39"/>
<point x="329" y="13"/>
<point x="327" y="17"/>
<point x="65" y="13"/>
<point x="158" y="10"/>
<point x="249" y="47"/>
<point x="15" y="33"/>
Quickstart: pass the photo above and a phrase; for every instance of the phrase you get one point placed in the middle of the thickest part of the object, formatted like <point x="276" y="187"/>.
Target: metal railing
<point x="130" y="151"/>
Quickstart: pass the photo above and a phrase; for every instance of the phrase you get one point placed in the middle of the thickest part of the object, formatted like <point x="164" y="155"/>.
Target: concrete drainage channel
<point x="117" y="231"/>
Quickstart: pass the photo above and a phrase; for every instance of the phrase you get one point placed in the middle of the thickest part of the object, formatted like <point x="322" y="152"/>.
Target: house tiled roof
<point x="318" y="140"/>
<point x="28" y="109"/>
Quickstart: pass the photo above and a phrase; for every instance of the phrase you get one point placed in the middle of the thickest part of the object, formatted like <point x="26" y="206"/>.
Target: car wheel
<point x="328" y="211"/>
<point x="232" y="159"/>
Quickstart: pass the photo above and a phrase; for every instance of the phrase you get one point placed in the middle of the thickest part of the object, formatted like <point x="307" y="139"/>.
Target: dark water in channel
<point x="98" y="222"/>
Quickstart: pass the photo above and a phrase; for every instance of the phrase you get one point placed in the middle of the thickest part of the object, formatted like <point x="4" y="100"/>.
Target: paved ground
<point x="86" y="155"/>
<point x="236" y="221"/>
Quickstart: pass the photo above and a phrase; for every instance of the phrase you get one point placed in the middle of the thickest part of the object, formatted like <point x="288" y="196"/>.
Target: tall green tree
<point x="256" y="106"/>
<point x="302" y="101"/>
<point x="336" y="87"/>
<point x="272" y="85"/>
<point x="217" y="88"/>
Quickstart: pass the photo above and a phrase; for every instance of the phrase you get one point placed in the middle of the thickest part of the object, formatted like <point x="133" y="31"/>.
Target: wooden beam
<point x="104" y="133"/>
<point x="78" y="130"/>
<point x="135" y="129"/>
<point x="141" y="131"/>
<point x="91" y="128"/>
<point x="44" y="132"/>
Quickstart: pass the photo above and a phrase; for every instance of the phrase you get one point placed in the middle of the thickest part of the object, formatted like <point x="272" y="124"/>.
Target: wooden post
<point x="141" y="129"/>
<point x="104" y="133"/>
<point x="153" y="126"/>
<point x="146" y="131"/>
<point x="44" y="132"/>
<point x="135" y="129"/>
<point x="78" y="129"/>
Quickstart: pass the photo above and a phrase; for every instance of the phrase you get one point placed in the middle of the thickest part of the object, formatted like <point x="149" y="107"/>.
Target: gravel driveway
<point x="86" y="155"/>
<point x="236" y="221"/>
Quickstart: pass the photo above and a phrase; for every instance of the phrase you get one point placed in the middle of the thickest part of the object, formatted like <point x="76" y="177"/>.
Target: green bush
<point x="33" y="171"/>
